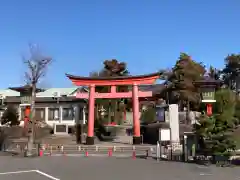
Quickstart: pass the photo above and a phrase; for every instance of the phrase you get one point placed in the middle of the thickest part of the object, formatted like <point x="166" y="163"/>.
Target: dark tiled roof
<point x="156" y="88"/>
<point x="43" y="99"/>
<point x="207" y="81"/>
<point x="25" y="88"/>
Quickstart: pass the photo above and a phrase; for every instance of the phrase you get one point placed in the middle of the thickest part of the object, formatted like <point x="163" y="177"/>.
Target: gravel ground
<point x="108" y="168"/>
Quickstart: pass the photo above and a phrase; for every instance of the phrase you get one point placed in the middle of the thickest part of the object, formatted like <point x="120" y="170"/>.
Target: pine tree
<point x="180" y="81"/>
<point x="217" y="129"/>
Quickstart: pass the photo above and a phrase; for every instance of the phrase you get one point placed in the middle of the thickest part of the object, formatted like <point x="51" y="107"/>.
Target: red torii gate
<point x="134" y="81"/>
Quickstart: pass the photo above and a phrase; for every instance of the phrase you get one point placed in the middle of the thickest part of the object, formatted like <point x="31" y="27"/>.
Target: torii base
<point x="90" y="140"/>
<point x="136" y="140"/>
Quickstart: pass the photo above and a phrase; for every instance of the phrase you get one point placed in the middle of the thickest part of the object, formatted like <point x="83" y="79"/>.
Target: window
<point x="67" y="114"/>
<point x="53" y="114"/>
<point x="40" y="114"/>
<point x="22" y="114"/>
<point x="80" y="114"/>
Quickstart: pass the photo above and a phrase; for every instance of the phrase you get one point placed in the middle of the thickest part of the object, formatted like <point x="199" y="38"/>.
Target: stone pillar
<point x="46" y="115"/>
<point x="136" y="121"/>
<point x="91" y="104"/>
<point x="83" y="116"/>
<point x="174" y="122"/>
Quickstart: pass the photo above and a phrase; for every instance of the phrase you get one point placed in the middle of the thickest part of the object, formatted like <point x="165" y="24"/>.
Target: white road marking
<point x="205" y="174"/>
<point x="17" y="172"/>
<point x="28" y="171"/>
<point x="46" y="175"/>
<point x="202" y="167"/>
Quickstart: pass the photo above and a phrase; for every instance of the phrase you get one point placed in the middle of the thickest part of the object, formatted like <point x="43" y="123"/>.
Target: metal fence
<point x="169" y="152"/>
<point x="85" y="150"/>
<point x="118" y="151"/>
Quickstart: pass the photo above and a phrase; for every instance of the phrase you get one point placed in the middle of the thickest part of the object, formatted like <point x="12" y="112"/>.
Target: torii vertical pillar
<point x="91" y="104"/>
<point x="136" y="121"/>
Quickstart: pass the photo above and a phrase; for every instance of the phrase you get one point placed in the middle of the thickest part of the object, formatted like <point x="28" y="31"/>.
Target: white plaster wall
<point x="60" y="121"/>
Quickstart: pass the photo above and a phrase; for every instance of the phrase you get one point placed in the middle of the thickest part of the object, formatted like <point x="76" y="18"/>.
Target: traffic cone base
<point x="134" y="155"/>
<point x="41" y="153"/>
<point x="110" y="152"/>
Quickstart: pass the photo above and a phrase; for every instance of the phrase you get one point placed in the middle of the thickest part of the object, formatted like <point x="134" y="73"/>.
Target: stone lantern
<point x="207" y="88"/>
<point x="25" y="101"/>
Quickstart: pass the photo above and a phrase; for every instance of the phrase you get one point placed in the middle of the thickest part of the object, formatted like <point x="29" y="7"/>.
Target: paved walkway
<point x="71" y="168"/>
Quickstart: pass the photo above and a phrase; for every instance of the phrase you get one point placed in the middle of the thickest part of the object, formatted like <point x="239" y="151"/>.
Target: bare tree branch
<point x="36" y="65"/>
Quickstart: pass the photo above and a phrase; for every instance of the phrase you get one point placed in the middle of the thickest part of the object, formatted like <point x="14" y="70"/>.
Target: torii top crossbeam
<point x="113" y="81"/>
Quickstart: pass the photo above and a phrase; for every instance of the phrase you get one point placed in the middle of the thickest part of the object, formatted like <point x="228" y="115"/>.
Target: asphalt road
<point x="108" y="168"/>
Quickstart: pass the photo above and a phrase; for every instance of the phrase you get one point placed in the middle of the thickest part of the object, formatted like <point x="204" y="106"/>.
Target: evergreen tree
<point x="231" y="71"/>
<point x="216" y="130"/>
<point x="10" y="116"/>
<point x="180" y="82"/>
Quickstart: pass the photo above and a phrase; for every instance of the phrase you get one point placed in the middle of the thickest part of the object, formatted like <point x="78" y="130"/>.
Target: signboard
<point x="160" y="114"/>
<point x="164" y="134"/>
<point x="208" y="93"/>
<point x="26" y="99"/>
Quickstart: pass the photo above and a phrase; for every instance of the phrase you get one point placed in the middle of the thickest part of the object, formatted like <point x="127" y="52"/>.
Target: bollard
<point x="134" y="154"/>
<point x="110" y="152"/>
<point x="86" y="154"/>
<point x="158" y="153"/>
<point x="50" y="151"/>
<point x="63" y="153"/>
<point x="41" y="153"/>
<point x="40" y="149"/>
<point x="147" y="153"/>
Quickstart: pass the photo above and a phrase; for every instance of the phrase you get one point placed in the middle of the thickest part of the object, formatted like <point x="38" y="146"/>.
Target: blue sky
<point x="147" y="34"/>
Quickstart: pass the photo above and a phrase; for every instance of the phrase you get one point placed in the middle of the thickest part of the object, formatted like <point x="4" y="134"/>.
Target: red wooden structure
<point x="27" y="112"/>
<point x="135" y="94"/>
